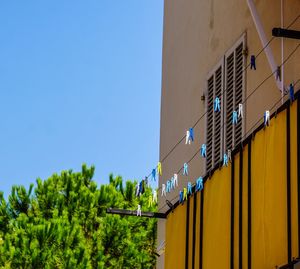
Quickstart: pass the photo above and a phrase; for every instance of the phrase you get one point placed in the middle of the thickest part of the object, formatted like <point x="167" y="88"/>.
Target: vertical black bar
<point x="241" y="210"/>
<point x="187" y="234"/>
<point x="232" y="217"/>
<point x="201" y="230"/>
<point x="249" y="209"/>
<point x="288" y="181"/>
<point x="194" y="229"/>
<point x="298" y="170"/>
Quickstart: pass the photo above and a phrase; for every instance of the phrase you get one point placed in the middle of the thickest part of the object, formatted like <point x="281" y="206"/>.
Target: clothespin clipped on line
<point x="278" y="73"/>
<point x="153" y="173"/>
<point x="184" y="194"/>
<point x="159" y="169"/>
<point x="175" y="177"/>
<point x="150" y="200"/>
<point x="199" y="184"/>
<point x="253" y="62"/>
<point x="168" y="186"/>
<point x="240" y="114"/>
<point x="142" y="186"/>
<point x="229" y="155"/>
<point x="217" y="104"/>
<point x="181" y="197"/>
<point x="203" y="150"/>
<point x="137" y="189"/>
<point x="234" y="117"/>
<point x="154" y="196"/>
<point x="172" y="183"/>
<point x="267" y="118"/>
<point x="163" y="190"/>
<point x="185" y="169"/>
<point x="225" y="160"/>
<point x="189" y="136"/>
<point x="291" y="90"/>
<point x="189" y="188"/>
<point x="139" y="211"/>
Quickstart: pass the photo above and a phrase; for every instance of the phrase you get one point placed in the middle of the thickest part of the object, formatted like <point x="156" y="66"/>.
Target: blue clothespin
<point x="225" y="160"/>
<point x="253" y="62"/>
<point x="168" y="186"/>
<point x="267" y="118"/>
<point x="192" y="134"/>
<point x="189" y="188"/>
<point x="147" y="183"/>
<point x="278" y="73"/>
<point x="292" y="96"/>
<point x="185" y="169"/>
<point x="181" y="197"/>
<point x="234" y="117"/>
<point x="203" y="150"/>
<point x="172" y="183"/>
<point x="199" y="184"/>
<point x="217" y="104"/>
<point x="141" y="187"/>
<point x="154" y="174"/>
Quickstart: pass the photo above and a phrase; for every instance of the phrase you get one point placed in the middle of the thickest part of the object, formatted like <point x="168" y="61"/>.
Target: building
<point x="246" y="216"/>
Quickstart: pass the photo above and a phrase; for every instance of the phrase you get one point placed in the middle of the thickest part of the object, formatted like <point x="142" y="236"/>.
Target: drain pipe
<point x="282" y="53"/>
<point x="264" y="41"/>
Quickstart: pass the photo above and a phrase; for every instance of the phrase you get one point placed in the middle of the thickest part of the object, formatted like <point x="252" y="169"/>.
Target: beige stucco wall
<point x="197" y="34"/>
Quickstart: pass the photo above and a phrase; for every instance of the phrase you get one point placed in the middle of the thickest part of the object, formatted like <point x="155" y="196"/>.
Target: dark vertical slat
<point x="232" y="217"/>
<point x="249" y="209"/>
<point x="194" y="229"/>
<point x="187" y="233"/>
<point x="288" y="181"/>
<point x="298" y="170"/>
<point x="241" y="210"/>
<point x="201" y="230"/>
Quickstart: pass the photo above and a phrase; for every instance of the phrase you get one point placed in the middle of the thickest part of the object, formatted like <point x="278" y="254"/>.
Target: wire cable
<point x="274" y="105"/>
<point x="255" y="89"/>
<point x="247" y="66"/>
<point x="264" y="81"/>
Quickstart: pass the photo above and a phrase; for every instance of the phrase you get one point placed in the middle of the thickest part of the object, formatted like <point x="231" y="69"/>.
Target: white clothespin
<point x="176" y="180"/>
<point x="137" y="189"/>
<point x="229" y="155"/>
<point x="240" y="114"/>
<point x="154" y="197"/>
<point x="187" y="138"/>
<point x="139" y="211"/>
<point x="163" y="190"/>
<point x="267" y="118"/>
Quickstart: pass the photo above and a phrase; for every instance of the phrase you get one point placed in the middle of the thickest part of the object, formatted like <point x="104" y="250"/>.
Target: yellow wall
<point x="268" y="207"/>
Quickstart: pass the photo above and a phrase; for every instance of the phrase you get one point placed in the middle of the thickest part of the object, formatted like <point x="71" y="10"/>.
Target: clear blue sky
<point x="80" y="82"/>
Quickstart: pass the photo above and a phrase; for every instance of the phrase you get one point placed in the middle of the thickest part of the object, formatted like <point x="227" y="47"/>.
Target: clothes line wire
<point x="253" y="91"/>
<point x="259" y="120"/>
<point x="264" y="81"/>
<point x="201" y="117"/>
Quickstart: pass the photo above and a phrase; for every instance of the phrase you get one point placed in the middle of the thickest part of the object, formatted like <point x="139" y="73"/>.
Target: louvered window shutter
<point x="221" y="134"/>
<point x="234" y="83"/>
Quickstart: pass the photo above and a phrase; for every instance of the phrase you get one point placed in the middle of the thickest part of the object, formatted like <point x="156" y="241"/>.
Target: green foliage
<point x="62" y="223"/>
